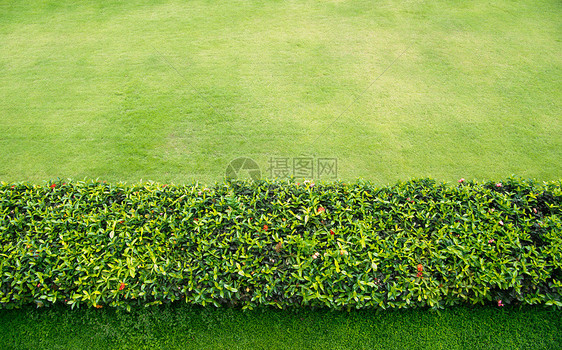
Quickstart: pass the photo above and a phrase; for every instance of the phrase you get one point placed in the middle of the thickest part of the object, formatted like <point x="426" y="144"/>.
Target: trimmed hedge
<point x="414" y="244"/>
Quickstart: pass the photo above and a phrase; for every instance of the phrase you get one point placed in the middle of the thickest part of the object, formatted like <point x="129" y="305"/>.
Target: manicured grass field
<point x="172" y="91"/>
<point x="181" y="327"/>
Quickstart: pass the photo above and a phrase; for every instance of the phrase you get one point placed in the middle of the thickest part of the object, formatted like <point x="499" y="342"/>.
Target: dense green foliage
<point x="338" y="245"/>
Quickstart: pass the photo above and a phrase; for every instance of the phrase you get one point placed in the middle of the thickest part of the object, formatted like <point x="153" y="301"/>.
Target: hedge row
<point x="414" y="244"/>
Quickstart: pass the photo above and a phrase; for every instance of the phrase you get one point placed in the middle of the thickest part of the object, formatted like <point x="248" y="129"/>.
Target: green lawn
<point x="181" y="327"/>
<point x="172" y="91"/>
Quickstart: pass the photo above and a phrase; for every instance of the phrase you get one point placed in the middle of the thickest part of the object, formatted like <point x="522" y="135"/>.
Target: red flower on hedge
<point x="499" y="184"/>
<point x="500" y="303"/>
<point x="461" y="181"/>
<point x="420" y="274"/>
<point x="53" y="185"/>
<point x="265" y="227"/>
<point x="332" y="232"/>
<point x="122" y="286"/>
<point x="420" y="267"/>
<point x="321" y="210"/>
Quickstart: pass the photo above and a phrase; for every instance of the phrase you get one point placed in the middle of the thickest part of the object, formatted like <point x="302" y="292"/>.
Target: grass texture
<point x="171" y="91"/>
<point x="183" y="327"/>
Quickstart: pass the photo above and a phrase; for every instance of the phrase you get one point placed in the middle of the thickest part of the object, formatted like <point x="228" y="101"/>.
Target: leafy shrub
<point x="414" y="244"/>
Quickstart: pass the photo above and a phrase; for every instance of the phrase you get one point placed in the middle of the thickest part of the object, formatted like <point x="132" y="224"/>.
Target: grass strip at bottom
<point x="181" y="326"/>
